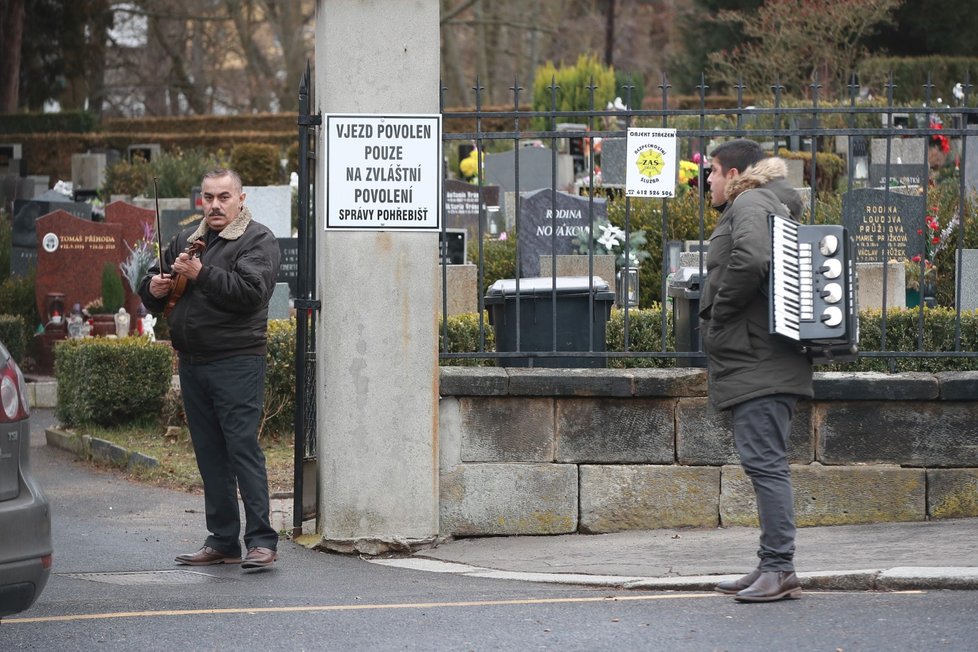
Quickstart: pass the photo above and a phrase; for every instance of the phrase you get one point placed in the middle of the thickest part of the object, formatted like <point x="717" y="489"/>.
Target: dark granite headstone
<point x="914" y="176"/>
<point x="462" y="207"/>
<point x="174" y="220"/>
<point x="70" y="255"/>
<point x="24" y="236"/>
<point x="884" y="225"/>
<point x="288" y="270"/>
<point x="540" y="219"/>
<point x="452" y="245"/>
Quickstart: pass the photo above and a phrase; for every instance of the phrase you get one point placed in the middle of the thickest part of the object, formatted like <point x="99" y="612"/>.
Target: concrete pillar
<point x="377" y="344"/>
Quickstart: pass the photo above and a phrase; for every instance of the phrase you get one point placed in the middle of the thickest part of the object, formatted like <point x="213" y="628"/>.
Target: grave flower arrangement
<point x="610" y="239"/>
<point x="931" y="233"/>
<point x="469" y="166"/>
<point x="142" y="254"/>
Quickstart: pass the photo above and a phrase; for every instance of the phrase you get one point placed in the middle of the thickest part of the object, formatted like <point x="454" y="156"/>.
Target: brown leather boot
<point x="733" y="586"/>
<point x="771" y="586"/>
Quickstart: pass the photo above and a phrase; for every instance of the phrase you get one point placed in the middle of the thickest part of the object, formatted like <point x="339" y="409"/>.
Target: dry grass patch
<point x="178" y="466"/>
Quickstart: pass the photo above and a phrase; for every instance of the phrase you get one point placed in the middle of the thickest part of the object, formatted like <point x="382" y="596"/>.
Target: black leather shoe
<point x="207" y="556"/>
<point x="733" y="586"/>
<point x="771" y="586"/>
<point x="259" y="558"/>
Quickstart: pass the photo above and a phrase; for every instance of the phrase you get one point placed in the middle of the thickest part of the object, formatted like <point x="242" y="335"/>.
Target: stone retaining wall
<point x="554" y="451"/>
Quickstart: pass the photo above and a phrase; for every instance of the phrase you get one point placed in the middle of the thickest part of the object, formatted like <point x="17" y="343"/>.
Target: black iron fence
<point x="912" y="162"/>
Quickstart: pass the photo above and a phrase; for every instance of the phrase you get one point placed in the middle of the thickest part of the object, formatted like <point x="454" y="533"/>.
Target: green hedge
<point x="258" y="164"/>
<point x="45" y="123"/>
<point x="110" y="382"/>
<point x="17" y="296"/>
<point x="910" y="75"/>
<point x="463" y="337"/>
<point x="13" y="334"/>
<point x="645" y="334"/>
<point x="278" y="419"/>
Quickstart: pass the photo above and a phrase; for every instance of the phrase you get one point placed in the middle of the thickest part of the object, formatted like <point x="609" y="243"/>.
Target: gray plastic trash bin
<point x="684" y="290"/>
<point x="536" y="319"/>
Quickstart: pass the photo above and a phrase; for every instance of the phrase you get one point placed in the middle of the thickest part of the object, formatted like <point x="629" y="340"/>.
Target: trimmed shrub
<point x="931" y="329"/>
<point x="110" y="382"/>
<point x="17" y="298"/>
<point x="44" y="123"/>
<point x="829" y="167"/>
<point x="644" y="334"/>
<point x="278" y="416"/>
<point x="14" y="336"/>
<point x="258" y="164"/>
<point x="124" y="178"/>
<point x="113" y="294"/>
<point x="498" y="257"/>
<point x="463" y="336"/>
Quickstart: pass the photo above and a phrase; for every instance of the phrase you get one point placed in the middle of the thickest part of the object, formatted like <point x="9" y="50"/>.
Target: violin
<point x="180" y="281"/>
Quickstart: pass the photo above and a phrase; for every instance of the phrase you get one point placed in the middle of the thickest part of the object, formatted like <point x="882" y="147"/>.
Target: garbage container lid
<point x="535" y="286"/>
<point x="685" y="282"/>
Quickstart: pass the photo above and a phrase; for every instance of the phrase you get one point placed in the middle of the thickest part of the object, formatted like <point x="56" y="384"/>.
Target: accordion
<point x="812" y="291"/>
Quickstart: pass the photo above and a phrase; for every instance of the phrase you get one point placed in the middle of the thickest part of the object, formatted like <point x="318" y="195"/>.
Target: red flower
<point x="940" y="141"/>
<point x="935" y="240"/>
<point x="916" y="258"/>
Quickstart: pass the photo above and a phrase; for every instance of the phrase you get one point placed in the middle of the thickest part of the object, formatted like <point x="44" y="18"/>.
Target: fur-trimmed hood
<point x="757" y="175"/>
<point x="770" y="173"/>
<point x="232" y="231"/>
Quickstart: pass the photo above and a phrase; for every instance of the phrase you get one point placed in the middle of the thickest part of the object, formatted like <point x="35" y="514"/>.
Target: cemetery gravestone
<point x="272" y="206"/>
<point x="452" y="245"/>
<point x="912" y="176"/>
<point x="536" y="168"/>
<point x="911" y="151"/>
<point x="970" y="169"/>
<point x="462" y="208"/>
<point x="288" y="269"/>
<point x="70" y="255"/>
<point x="884" y="224"/>
<point x="613" y="161"/>
<point x="550" y="224"/>
<point x="968" y="300"/>
<point x="24" y="233"/>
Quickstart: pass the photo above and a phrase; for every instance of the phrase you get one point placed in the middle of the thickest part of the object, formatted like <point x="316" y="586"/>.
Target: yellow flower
<point x="688" y="172"/>
<point x="469" y="167"/>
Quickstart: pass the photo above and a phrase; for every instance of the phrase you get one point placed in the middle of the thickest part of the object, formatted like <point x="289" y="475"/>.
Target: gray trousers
<point x="761" y="427"/>
<point x="223" y="400"/>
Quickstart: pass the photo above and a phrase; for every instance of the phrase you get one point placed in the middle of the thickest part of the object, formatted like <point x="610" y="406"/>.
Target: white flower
<point x="611" y="236"/>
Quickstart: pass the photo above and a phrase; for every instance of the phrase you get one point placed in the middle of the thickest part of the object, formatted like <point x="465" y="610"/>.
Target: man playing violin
<point x="218" y="326"/>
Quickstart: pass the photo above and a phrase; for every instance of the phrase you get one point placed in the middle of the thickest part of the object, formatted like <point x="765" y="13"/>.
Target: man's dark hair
<point x="224" y="172"/>
<point x="738" y="154"/>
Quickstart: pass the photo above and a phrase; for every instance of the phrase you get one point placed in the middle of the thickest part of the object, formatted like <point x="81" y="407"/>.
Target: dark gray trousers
<point x="223" y="400"/>
<point x="761" y="428"/>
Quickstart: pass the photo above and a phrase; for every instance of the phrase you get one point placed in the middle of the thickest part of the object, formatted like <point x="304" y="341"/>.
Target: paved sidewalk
<point x="940" y="554"/>
<point x="887" y="556"/>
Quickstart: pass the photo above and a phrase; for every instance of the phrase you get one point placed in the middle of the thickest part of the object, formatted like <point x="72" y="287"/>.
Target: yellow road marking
<point x="353" y="607"/>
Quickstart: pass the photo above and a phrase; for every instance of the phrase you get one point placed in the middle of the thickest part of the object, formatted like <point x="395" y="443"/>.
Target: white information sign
<point x="383" y="172"/>
<point x="651" y="163"/>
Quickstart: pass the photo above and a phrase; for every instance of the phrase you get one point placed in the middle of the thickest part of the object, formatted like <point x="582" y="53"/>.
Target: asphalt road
<point x="115" y="587"/>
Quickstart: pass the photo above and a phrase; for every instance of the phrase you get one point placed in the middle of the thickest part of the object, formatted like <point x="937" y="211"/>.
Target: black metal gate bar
<point x="306" y="304"/>
<point x="791" y="124"/>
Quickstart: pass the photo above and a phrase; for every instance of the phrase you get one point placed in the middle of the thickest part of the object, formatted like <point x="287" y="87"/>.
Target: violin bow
<point x="159" y="230"/>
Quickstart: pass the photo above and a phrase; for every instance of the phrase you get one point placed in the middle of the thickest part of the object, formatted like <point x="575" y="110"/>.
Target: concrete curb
<point x="904" y="578"/>
<point x="100" y="449"/>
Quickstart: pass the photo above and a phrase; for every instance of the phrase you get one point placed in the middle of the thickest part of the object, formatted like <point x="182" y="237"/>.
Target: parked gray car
<point x="25" y="517"/>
